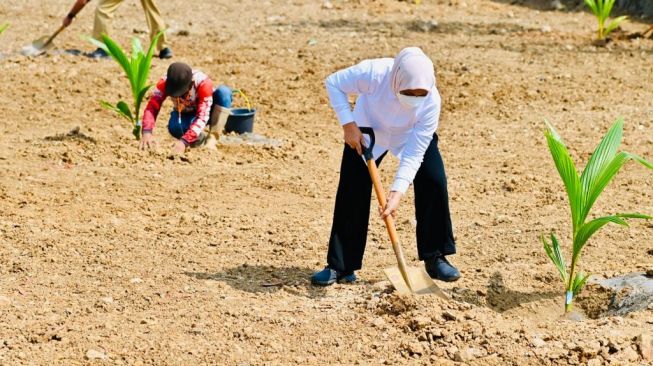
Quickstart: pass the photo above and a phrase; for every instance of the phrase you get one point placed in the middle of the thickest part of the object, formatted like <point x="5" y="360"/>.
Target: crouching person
<point x="196" y="106"/>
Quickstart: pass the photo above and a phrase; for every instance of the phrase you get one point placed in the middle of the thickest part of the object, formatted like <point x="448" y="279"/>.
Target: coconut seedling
<point x="602" y="10"/>
<point x="3" y="27"/>
<point x="137" y="70"/>
<point x="583" y="191"/>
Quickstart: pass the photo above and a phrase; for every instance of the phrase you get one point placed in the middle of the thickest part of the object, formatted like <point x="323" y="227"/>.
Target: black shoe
<point x="165" y="53"/>
<point x="439" y="268"/>
<point x="329" y="276"/>
<point x="98" y="54"/>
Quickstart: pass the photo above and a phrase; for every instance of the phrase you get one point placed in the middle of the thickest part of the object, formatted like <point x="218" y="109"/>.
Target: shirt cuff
<point x="400" y="185"/>
<point x="345" y="116"/>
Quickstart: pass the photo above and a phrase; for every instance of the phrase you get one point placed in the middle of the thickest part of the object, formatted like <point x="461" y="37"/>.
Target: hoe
<point x="406" y="280"/>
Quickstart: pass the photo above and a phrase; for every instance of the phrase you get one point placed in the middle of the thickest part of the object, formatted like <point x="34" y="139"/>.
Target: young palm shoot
<point x="3" y="27"/>
<point x="137" y="70"/>
<point x="582" y="192"/>
<point x="602" y="10"/>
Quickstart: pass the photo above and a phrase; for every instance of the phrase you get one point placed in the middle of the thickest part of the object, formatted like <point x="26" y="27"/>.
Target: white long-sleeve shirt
<point x="405" y="133"/>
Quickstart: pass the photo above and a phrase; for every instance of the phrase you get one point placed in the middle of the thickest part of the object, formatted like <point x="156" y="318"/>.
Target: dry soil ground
<point x="109" y="255"/>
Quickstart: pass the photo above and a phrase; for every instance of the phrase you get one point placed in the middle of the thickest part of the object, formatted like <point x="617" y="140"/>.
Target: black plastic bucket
<point x="240" y="120"/>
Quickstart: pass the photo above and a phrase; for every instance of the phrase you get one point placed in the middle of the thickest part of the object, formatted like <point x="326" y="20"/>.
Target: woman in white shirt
<point x="399" y="100"/>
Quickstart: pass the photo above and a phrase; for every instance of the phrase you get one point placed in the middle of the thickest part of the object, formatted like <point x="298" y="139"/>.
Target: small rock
<point x="378" y="322"/>
<point x="327" y="5"/>
<point x="136" y="280"/>
<point x="590" y="349"/>
<point x="557" y="5"/>
<point x="466" y="355"/>
<point x="382" y="286"/>
<point x="447" y="315"/>
<point x="645" y="345"/>
<point x="92" y="354"/>
<point x="538" y="342"/>
<point x="107" y="299"/>
<point x="546" y="29"/>
<point x="420" y="322"/>
<point x="415" y="348"/>
<point x="595" y="362"/>
<point x="628" y="354"/>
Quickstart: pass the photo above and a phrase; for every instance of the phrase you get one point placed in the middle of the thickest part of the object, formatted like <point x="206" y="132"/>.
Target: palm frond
<point x="601" y="158"/>
<point x="114" y="50"/>
<point x="568" y="173"/>
<point x="579" y="281"/>
<point x="118" y="110"/>
<point x="555" y="254"/>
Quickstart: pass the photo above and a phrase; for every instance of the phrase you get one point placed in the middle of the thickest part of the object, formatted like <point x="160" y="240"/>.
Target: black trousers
<point x="351" y="214"/>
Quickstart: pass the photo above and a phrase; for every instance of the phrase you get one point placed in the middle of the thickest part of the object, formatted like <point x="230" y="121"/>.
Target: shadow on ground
<point x="266" y="279"/>
<point x="500" y="298"/>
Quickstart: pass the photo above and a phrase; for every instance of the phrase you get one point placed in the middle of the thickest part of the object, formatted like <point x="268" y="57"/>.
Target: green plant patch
<point x="582" y="191"/>
<point x="137" y="70"/>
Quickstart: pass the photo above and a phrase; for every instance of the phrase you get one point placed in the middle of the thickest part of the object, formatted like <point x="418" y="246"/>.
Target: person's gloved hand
<point x="392" y="205"/>
<point x="147" y="141"/>
<point x="354" y="137"/>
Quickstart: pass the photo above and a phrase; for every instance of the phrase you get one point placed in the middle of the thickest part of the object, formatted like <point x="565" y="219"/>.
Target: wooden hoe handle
<point x="380" y="196"/>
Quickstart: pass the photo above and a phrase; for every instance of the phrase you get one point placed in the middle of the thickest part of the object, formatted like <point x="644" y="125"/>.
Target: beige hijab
<point x="412" y="69"/>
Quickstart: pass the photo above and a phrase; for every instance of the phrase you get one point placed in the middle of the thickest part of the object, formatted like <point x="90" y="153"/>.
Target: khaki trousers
<point x="106" y="8"/>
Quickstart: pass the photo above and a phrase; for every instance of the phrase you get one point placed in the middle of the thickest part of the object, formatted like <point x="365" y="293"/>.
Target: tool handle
<point x="61" y="28"/>
<point x="367" y="150"/>
<point x="389" y="221"/>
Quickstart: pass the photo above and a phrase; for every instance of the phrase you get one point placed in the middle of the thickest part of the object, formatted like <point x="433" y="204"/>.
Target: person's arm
<point x="204" y="103"/>
<point x="357" y="79"/>
<point x="77" y="7"/>
<point x="412" y="157"/>
<point x="154" y="106"/>
<point x="413" y="152"/>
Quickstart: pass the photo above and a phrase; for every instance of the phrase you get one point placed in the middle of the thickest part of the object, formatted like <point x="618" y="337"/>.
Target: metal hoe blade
<point x="40" y="45"/>
<point x="37" y="47"/>
<point x="420" y="282"/>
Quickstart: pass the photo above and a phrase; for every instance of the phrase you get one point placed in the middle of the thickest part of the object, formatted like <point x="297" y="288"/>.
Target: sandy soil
<point x="109" y="255"/>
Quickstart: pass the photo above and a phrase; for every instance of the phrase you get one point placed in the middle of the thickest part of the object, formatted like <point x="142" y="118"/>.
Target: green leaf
<point x="579" y="281"/>
<point x="114" y="50"/>
<point x="589" y="228"/>
<point x="601" y="158"/>
<point x="144" y="69"/>
<point x="4" y="27"/>
<point x="110" y="106"/>
<point x="555" y="254"/>
<point x="641" y="160"/>
<point x="607" y="8"/>
<point x="592" y="5"/>
<point x="139" y="98"/>
<point x="97" y="43"/>
<point x="615" y="23"/>
<point x="137" y="48"/>
<point x="568" y="173"/>
<point x="124" y="108"/>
